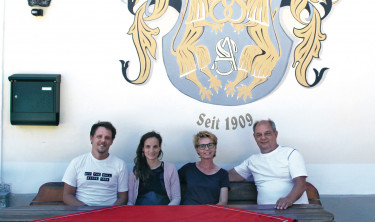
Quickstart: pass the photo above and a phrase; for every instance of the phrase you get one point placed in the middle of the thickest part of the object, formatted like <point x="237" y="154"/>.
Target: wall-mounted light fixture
<point x="41" y="3"/>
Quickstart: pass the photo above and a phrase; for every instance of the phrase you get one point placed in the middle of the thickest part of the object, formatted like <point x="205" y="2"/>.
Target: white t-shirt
<point x="273" y="173"/>
<point x="97" y="181"/>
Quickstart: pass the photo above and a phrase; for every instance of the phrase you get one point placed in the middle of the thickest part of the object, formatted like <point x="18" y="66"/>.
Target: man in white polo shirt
<point x="279" y="172"/>
<point x="97" y="178"/>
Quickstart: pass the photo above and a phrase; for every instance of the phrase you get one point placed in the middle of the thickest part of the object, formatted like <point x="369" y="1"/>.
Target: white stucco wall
<point x="331" y="124"/>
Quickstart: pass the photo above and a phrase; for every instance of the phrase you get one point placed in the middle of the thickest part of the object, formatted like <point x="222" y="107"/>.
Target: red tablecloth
<point x="188" y="213"/>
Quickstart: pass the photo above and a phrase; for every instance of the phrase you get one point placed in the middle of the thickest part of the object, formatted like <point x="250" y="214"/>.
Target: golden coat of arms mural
<point x="230" y="52"/>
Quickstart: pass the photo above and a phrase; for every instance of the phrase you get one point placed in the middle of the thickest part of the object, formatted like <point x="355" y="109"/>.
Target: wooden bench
<point x="246" y="193"/>
<point x="240" y="193"/>
<point x="49" y="194"/>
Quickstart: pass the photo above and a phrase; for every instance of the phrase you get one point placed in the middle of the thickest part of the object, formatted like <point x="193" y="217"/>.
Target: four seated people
<point x="98" y="178"/>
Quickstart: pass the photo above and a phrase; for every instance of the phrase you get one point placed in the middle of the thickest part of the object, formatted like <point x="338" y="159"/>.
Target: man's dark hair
<point x="271" y="122"/>
<point x="104" y="124"/>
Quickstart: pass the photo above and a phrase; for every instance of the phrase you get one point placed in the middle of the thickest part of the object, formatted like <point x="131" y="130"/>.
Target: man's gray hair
<point x="270" y="121"/>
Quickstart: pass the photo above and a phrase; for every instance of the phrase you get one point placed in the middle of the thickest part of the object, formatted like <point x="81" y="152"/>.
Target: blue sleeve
<point x="224" y="180"/>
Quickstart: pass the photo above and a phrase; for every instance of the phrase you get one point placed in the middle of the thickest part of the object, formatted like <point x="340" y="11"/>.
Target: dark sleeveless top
<point x="153" y="192"/>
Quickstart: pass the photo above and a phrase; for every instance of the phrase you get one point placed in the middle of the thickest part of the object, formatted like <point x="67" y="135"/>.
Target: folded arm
<point x="122" y="198"/>
<point x="175" y="189"/>
<point x="223" y="199"/>
<point x="69" y="196"/>
<point x="297" y="191"/>
<point x="234" y="176"/>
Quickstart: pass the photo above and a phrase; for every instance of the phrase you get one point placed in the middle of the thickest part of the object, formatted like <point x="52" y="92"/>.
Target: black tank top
<point x="153" y="192"/>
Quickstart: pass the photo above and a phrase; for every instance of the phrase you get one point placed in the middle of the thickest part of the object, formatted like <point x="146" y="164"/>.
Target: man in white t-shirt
<point x="279" y="172"/>
<point x="97" y="178"/>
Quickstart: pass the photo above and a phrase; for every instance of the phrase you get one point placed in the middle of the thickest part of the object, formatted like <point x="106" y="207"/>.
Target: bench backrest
<point x="49" y="194"/>
<point x="240" y="193"/>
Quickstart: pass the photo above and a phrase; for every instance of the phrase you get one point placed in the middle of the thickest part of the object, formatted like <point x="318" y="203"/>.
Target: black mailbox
<point x="35" y="99"/>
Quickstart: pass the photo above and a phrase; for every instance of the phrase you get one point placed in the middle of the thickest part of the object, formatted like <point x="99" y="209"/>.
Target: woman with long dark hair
<point x="152" y="181"/>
